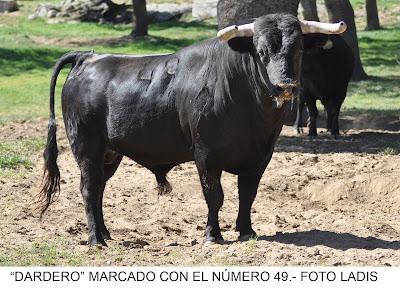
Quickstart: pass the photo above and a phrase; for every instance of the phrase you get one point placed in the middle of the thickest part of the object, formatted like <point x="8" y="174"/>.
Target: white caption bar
<point x="199" y="277"/>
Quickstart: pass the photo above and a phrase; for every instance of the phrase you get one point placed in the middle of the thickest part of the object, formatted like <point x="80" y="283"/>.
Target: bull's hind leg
<point x="333" y="110"/>
<point x="111" y="163"/>
<point x="163" y="186"/>
<point x="210" y="178"/>
<point x="248" y="185"/>
<point x="89" y="154"/>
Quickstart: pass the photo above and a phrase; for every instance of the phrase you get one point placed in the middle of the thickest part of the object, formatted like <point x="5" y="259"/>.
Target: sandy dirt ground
<point x="322" y="201"/>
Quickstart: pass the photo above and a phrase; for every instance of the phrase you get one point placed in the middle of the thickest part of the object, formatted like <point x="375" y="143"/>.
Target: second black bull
<point x="328" y="64"/>
<point x="220" y="103"/>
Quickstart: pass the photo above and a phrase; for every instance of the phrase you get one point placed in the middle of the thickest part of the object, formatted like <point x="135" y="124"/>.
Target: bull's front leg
<point x="333" y="110"/>
<point x="299" y="116"/>
<point x="210" y="179"/>
<point x="248" y="185"/>
<point x="312" y="119"/>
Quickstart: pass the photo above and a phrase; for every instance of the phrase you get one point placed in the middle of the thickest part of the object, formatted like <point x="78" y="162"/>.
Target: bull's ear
<point x="230" y="32"/>
<point x="241" y="44"/>
<point x="328" y="45"/>
<point x="317" y="41"/>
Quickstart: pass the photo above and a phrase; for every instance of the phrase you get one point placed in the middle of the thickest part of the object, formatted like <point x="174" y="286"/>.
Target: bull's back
<point x="130" y="101"/>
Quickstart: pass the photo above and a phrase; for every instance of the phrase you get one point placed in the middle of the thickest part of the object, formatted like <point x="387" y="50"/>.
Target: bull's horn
<point x="324" y="28"/>
<point x="246" y="30"/>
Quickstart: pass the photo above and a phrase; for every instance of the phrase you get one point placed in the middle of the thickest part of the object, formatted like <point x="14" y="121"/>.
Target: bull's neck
<point x="242" y="79"/>
<point x="247" y="94"/>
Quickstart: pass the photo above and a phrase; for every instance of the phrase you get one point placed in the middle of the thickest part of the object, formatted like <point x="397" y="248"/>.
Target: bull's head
<point x="278" y="44"/>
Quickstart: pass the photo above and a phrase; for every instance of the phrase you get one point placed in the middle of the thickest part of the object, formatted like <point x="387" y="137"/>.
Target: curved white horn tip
<point x="343" y="26"/>
<point x="227" y="33"/>
<point x="245" y="30"/>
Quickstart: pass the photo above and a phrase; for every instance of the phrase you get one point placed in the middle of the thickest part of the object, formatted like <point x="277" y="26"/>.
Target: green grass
<point x="390" y="151"/>
<point x="40" y="254"/>
<point x="17" y="154"/>
<point x="13" y="161"/>
<point x="382" y="4"/>
<point x="388" y="11"/>
<point x="26" y="66"/>
<point x="251" y="245"/>
<point x="380" y="53"/>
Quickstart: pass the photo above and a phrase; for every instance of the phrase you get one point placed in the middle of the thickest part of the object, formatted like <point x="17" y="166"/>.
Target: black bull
<point x="325" y="75"/>
<point x="212" y="102"/>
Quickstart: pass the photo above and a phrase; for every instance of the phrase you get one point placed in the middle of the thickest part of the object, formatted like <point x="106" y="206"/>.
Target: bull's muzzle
<point x="286" y="89"/>
<point x="286" y="92"/>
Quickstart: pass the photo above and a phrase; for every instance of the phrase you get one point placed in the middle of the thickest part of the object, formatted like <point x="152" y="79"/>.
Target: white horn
<point x="246" y="30"/>
<point x="324" y="28"/>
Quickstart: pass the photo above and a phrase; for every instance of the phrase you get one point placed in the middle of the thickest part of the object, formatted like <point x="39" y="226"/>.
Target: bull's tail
<point x="50" y="186"/>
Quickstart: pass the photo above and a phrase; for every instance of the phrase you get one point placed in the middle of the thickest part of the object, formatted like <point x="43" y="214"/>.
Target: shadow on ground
<point x="370" y="142"/>
<point x="339" y="241"/>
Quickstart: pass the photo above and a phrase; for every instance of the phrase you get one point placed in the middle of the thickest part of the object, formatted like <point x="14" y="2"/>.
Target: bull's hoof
<point x="95" y="241"/>
<point x="212" y="241"/>
<point x="312" y="134"/>
<point x="106" y="235"/>
<point x="335" y="135"/>
<point x="164" y="188"/>
<point x="247" y="236"/>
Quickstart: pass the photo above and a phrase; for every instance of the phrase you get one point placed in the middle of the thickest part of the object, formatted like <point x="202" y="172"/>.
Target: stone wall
<point x="8" y="6"/>
<point x="203" y="9"/>
<point x="104" y="11"/>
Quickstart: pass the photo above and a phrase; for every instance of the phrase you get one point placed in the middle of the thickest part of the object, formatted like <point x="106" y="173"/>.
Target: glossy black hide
<point x="210" y="102"/>
<point x="326" y="72"/>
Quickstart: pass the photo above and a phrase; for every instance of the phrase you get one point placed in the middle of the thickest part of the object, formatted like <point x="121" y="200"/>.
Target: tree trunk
<point x="310" y="11"/>
<point x="339" y="10"/>
<point x="140" y="14"/>
<point x="232" y="12"/>
<point x="372" y="15"/>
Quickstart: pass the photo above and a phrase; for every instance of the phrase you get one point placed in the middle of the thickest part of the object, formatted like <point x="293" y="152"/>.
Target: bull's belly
<point x="150" y="156"/>
<point x="152" y="152"/>
<point x="164" y="140"/>
<point x="152" y="147"/>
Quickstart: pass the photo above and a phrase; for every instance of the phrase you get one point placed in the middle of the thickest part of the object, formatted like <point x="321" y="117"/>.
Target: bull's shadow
<point x="370" y="142"/>
<point x="339" y="241"/>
